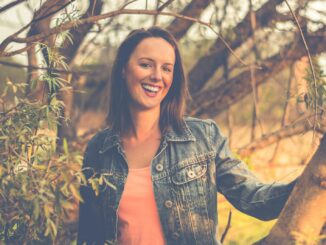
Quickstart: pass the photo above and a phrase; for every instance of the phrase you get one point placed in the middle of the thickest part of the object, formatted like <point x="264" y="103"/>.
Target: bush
<point x="39" y="187"/>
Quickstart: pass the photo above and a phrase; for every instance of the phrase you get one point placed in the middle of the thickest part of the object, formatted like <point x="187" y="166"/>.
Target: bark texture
<point x="304" y="214"/>
<point x="179" y="27"/>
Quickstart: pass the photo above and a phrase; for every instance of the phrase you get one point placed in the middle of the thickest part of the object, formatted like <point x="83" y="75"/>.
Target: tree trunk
<point x="304" y="215"/>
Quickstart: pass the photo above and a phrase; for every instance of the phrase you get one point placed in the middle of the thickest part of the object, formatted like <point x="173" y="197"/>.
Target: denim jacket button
<point x="168" y="203"/>
<point x="159" y="167"/>
<point x="175" y="235"/>
<point x="191" y="174"/>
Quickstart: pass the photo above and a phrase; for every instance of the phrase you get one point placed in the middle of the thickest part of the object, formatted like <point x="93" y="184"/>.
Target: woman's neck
<point x="145" y="124"/>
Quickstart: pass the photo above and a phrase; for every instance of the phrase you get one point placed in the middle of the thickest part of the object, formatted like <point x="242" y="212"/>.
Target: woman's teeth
<point x="150" y="88"/>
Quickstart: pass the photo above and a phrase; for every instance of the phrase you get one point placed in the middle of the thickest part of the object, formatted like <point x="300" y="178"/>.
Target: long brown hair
<point x="172" y="106"/>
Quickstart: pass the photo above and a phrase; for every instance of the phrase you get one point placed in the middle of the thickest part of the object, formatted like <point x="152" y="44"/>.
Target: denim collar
<point x="112" y="139"/>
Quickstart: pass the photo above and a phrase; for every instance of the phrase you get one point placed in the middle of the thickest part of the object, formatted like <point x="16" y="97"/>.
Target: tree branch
<point x="164" y="5"/>
<point x="179" y="27"/>
<point x="296" y="128"/>
<point x="10" y="5"/>
<point x="16" y="65"/>
<point x="216" y="100"/>
<point x="206" y="66"/>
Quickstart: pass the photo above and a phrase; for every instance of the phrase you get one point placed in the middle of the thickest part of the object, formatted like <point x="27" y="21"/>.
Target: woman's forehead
<point x="154" y="48"/>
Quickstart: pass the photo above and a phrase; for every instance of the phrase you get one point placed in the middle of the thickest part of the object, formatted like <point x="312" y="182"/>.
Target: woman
<point x="166" y="168"/>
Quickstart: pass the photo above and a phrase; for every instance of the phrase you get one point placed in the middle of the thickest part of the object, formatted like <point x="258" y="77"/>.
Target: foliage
<point x="316" y="89"/>
<point x="39" y="187"/>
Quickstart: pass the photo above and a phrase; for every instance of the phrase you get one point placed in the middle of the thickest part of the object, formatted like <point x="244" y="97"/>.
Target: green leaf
<point x="16" y="100"/>
<point x="54" y="230"/>
<point x="75" y="193"/>
<point x="4" y="137"/>
<point x="65" y="146"/>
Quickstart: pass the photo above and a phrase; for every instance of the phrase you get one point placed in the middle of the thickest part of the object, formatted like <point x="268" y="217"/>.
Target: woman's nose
<point x="156" y="75"/>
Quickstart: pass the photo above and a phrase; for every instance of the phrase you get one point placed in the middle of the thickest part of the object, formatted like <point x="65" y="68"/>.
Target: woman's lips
<point x="151" y="90"/>
<point x="150" y="93"/>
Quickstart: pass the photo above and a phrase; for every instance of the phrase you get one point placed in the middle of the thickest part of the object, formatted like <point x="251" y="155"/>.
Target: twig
<point x="228" y="225"/>
<point x="19" y="51"/>
<point x="164" y="5"/>
<point x="255" y="114"/>
<point x="93" y="7"/>
<point x="10" y="39"/>
<point x="43" y="68"/>
<point x="228" y="46"/>
<point x="311" y="67"/>
<point x="127" y="3"/>
<point x="156" y="16"/>
<point x="10" y="5"/>
<point x="51" y="13"/>
<point x="17" y="155"/>
<point x="298" y="127"/>
<point x="285" y="112"/>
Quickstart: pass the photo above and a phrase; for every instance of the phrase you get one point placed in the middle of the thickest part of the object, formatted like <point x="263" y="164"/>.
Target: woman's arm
<point x="244" y="190"/>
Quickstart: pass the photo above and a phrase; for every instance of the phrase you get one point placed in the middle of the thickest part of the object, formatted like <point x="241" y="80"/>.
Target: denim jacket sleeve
<point x="241" y="187"/>
<point x="91" y="222"/>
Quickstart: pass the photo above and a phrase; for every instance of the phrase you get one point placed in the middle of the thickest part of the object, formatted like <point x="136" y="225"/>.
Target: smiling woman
<point x="166" y="168"/>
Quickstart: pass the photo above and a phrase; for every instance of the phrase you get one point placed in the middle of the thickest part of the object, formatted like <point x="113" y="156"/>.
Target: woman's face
<point x="149" y="73"/>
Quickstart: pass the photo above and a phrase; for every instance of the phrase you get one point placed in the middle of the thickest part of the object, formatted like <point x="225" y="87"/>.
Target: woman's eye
<point x="145" y="65"/>
<point x="167" y="69"/>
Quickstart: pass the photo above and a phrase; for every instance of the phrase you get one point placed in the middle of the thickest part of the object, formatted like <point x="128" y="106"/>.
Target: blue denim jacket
<point x="187" y="171"/>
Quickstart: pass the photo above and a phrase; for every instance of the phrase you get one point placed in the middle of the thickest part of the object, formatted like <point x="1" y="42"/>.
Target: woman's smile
<point x="151" y="90"/>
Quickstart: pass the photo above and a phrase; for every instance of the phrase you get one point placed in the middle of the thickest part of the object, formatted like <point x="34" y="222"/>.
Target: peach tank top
<point x="138" y="218"/>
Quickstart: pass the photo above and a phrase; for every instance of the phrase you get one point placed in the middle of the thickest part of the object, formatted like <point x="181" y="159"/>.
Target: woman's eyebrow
<point x="150" y="59"/>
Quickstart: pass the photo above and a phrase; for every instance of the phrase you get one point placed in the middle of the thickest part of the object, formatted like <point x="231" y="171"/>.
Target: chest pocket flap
<point x="189" y="173"/>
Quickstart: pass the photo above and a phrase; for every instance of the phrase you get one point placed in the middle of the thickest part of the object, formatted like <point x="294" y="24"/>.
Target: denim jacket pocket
<point x="189" y="181"/>
<point x="189" y="173"/>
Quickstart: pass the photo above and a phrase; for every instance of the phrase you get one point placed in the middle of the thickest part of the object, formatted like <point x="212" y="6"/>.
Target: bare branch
<point x="296" y="128"/>
<point x="127" y="3"/>
<point x="46" y="15"/>
<point x="206" y="66"/>
<point x="16" y="65"/>
<point x="10" y="5"/>
<point x="179" y="27"/>
<point x="285" y="110"/>
<point x="36" y="19"/>
<point x="164" y="5"/>
<point x="310" y="63"/>
<point x="216" y="100"/>
<point x="227" y="228"/>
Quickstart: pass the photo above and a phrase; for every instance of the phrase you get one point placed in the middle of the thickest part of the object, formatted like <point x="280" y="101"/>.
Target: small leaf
<point x="75" y="192"/>
<point x="65" y="146"/>
<point x="53" y="228"/>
